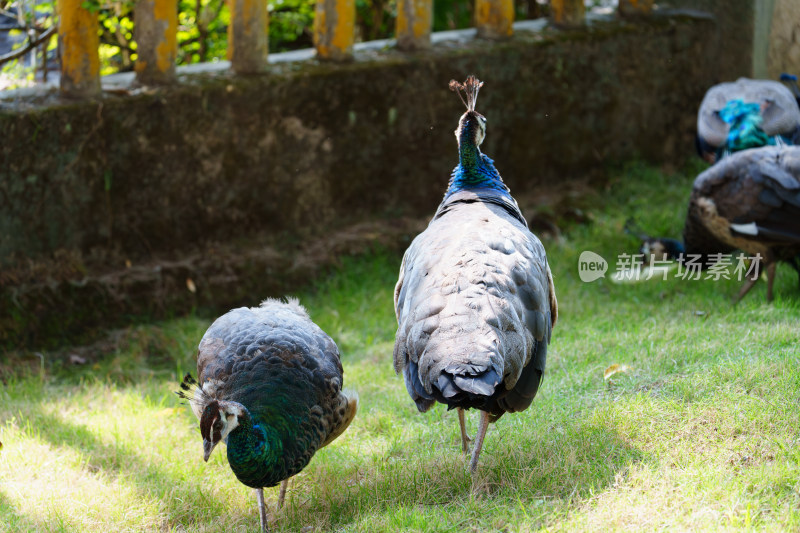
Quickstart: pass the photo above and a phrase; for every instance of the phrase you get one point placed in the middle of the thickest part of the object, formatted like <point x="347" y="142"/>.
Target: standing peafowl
<point x="270" y="387"/>
<point x="746" y="114"/>
<point x="475" y="300"/>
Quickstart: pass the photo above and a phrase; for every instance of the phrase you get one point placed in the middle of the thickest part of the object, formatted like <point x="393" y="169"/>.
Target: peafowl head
<point x="219" y="418"/>
<point x="472" y="125"/>
<point x="654" y="248"/>
<point x="661" y="249"/>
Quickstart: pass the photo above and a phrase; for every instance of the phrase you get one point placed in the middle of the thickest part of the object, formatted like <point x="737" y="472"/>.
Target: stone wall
<point x="223" y="190"/>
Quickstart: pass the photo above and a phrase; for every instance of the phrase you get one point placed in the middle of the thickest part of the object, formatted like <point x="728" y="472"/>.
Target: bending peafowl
<point x="270" y="387"/>
<point x="475" y="301"/>
<point x="749" y="201"/>
<point x="746" y="114"/>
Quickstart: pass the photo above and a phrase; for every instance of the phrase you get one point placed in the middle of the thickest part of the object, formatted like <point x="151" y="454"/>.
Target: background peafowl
<point x="751" y="201"/>
<point x="748" y="201"/>
<point x="746" y="114"/>
<point x="270" y="387"/>
<point x="475" y="300"/>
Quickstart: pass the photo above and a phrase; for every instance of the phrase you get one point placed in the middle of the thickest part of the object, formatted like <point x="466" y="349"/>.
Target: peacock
<point x="475" y="300"/>
<point x="270" y="387"/>
<point x="746" y="114"/>
<point x="749" y="201"/>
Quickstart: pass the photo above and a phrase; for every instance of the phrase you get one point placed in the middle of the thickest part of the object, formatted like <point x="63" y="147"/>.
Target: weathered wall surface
<point x="731" y="44"/>
<point x="108" y="207"/>
<point x="784" y="42"/>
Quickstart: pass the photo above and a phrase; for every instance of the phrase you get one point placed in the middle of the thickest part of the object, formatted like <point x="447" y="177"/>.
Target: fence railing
<point x="156" y="24"/>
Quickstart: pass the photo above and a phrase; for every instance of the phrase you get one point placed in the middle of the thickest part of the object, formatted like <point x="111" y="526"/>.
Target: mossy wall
<point x="222" y="190"/>
<point x="731" y="43"/>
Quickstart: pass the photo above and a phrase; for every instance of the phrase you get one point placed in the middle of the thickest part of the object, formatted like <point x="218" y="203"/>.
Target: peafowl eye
<point x="475" y="300"/>
<point x="270" y="388"/>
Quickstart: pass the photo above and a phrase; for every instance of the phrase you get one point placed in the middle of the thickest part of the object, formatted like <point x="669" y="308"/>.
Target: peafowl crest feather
<point x="475" y="300"/>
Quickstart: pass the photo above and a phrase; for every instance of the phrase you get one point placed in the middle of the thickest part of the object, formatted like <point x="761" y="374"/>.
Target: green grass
<point x="700" y="434"/>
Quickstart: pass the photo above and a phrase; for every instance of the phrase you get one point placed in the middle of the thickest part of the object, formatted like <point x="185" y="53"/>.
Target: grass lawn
<point x="701" y="433"/>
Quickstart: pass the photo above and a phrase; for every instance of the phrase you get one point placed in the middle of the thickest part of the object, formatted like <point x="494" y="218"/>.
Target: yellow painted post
<point x="494" y="18"/>
<point x="334" y="29"/>
<point x="156" y="34"/>
<point x="247" y="36"/>
<point x="413" y="24"/>
<point x="567" y="13"/>
<point x="79" y="43"/>
<point x="635" y="8"/>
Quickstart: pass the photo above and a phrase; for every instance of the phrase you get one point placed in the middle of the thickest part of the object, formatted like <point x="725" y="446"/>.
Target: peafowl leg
<point x="770" y="279"/>
<point x="483" y="425"/>
<point x="464" y="437"/>
<point x="282" y="492"/>
<point x="746" y="288"/>
<point x="262" y="509"/>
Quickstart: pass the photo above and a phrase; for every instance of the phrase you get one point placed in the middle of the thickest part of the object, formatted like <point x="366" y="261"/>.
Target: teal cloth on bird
<point x="745" y="131"/>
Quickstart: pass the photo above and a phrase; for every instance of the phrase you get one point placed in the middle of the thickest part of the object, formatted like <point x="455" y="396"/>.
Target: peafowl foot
<point x="464" y="437"/>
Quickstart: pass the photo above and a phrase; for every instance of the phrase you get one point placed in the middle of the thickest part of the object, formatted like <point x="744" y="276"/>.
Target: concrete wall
<point x="247" y="186"/>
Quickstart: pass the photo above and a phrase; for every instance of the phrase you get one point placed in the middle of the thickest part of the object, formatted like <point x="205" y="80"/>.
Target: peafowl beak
<point x="208" y="447"/>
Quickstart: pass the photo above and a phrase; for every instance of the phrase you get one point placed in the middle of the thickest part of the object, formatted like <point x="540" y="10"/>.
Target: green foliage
<point x="452" y="14"/>
<point x="202" y="30"/>
<point x="33" y="20"/>
<point x="290" y="24"/>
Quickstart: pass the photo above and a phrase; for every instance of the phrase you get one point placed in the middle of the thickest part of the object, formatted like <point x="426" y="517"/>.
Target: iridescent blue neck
<point x="475" y="170"/>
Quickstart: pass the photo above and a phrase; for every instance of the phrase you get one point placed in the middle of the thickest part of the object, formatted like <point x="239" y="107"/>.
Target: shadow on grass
<point x="177" y="498"/>
<point x="546" y="470"/>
